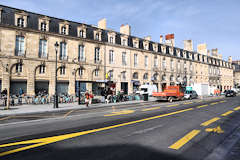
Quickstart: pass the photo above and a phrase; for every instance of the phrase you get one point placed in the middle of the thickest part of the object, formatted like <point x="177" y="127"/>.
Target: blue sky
<point x="215" y="22"/>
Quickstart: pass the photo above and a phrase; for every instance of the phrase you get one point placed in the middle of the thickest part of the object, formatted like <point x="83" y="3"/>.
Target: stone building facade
<point x="89" y="56"/>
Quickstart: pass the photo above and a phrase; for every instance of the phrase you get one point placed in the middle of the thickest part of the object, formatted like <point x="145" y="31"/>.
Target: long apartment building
<point x="88" y="56"/>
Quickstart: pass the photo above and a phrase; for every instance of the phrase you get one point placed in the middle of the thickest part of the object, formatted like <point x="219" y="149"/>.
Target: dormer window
<point x="63" y="30"/>
<point x="135" y="44"/>
<point x="20" y="22"/>
<point x="43" y="26"/>
<point x="111" y="40"/>
<point x="97" y="36"/>
<point x="0" y="15"/>
<point x="81" y="33"/>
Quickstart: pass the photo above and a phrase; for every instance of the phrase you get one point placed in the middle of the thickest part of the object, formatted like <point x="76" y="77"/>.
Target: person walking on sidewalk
<point x="90" y="97"/>
<point x="87" y="97"/>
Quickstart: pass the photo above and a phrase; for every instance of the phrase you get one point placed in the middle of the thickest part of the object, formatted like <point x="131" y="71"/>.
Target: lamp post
<point x="56" y="94"/>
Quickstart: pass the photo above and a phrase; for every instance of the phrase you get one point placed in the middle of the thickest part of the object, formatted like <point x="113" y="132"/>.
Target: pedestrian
<point x="90" y="97"/>
<point x="4" y="94"/>
<point x="87" y="98"/>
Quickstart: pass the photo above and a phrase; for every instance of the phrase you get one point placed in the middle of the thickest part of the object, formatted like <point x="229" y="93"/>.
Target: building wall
<point x="199" y="72"/>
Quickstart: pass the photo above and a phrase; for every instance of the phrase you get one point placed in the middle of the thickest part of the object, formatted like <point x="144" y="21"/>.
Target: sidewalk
<point x="43" y="108"/>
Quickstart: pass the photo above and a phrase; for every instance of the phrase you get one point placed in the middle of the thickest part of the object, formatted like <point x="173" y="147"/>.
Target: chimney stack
<point x="148" y="38"/>
<point x="170" y="40"/>
<point x="161" y="38"/>
<point x="102" y="23"/>
<point x="125" y="29"/>
<point x="202" y="49"/>
<point x="188" y="45"/>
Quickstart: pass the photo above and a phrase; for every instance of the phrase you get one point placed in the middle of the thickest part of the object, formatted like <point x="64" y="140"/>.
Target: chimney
<point x="148" y="38"/>
<point x="230" y="59"/>
<point x="161" y="38"/>
<point x="102" y="23"/>
<point x="188" y="45"/>
<point x="208" y="52"/>
<point x="125" y="29"/>
<point x="215" y="52"/>
<point x="170" y="40"/>
<point x="202" y="49"/>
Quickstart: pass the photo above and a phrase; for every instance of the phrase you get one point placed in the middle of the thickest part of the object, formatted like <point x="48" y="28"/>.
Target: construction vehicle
<point x="170" y="93"/>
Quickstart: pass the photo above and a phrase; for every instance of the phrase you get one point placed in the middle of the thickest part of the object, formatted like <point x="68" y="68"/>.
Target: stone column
<point x="5" y="80"/>
<point x="52" y="79"/>
<point x="31" y="80"/>
<point x="89" y="86"/>
<point x="72" y="81"/>
<point x="130" y="87"/>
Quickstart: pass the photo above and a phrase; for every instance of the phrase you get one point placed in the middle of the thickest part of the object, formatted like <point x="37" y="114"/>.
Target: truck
<point x="170" y="93"/>
<point x="147" y="89"/>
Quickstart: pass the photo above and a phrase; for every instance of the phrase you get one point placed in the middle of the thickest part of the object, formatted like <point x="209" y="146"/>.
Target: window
<point x="97" y="55"/>
<point x="80" y="72"/>
<point x="146" y="61"/>
<point x="124" y="59"/>
<point x="96" y="72"/>
<point x="135" y="44"/>
<point x="18" y="67"/>
<point x="179" y="66"/>
<point x="124" y="42"/>
<point x="43" y="27"/>
<point x="155" y="77"/>
<point x="145" y="46"/>
<point x="164" y="77"/>
<point x="97" y="36"/>
<point x="42" y="69"/>
<point x="111" y="39"/>
<point x="81" y="56"/>
<point x="185" y="66"/>
<point x="172" y="65"/>
<point x="63" y="51"/>
<point x="20" y="22"/>
<point x="145" y="76"/>
<point x="111" y="57"/>
<point x="42" y="48"/>
<point x="19" y="46"/>
<point x="62" y="70"/>
<point x="155" y="61"/>
<point x="81" y="33"/>
<point x="135" y="75"/>
<point x="164" y="64"/>
<point x="124" y="75"/>
<point x="63" y="30"/>
<point x="135" y="60"/>
<point x="191" y="67"/>
<point x="171" y="78"/>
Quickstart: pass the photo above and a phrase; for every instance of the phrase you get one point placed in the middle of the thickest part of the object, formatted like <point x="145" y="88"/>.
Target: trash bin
<point x="145" y="97"/>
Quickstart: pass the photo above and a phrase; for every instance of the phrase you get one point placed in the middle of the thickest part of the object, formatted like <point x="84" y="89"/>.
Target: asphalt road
<point x="182" y="130"/>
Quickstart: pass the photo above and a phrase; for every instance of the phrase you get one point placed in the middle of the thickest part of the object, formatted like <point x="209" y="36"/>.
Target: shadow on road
<point x="111" y="152"/>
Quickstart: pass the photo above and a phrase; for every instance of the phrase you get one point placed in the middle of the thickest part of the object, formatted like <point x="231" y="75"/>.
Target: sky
<point x="214" y="22"/>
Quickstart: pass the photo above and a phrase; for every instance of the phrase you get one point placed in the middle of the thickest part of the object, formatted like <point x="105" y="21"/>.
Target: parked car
<point x="190" y="94"/>
<point x="230" y="93"/>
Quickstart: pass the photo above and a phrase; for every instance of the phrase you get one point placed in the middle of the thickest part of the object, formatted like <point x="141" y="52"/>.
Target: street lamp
<point x="56" y="94"/>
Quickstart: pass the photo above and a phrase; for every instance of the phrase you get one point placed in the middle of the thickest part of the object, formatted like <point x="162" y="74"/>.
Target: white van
<point x="147" y="89"/>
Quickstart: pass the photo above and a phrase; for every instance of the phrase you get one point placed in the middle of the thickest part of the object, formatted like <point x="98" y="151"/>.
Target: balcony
<point x="82" y="59"/>
<point x="43" y="56"/>
<point x="20" y="53"/>
<point x="98" y="62"/>
<point x="63" y="58"/>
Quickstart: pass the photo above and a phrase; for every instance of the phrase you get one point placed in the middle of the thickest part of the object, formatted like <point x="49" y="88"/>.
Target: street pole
<point x="56" y="95"/>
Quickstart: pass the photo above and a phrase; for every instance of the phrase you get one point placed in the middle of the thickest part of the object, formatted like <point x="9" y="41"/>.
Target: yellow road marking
<point x="120" y="113"/>
<point x="184" y="140"/>
<point x="173" y="105"/>
<point x="214" y="103"/>
<point x="237" y="108"/>
<point x="68" y="113"/>
<point x="202" y="106"/>
<point x="188" y="103"/>
<point x="218" y="129"/>
<point x="222" y="101"/>
<point x="48" y="140"/>
<point x="5" y="118"/>
<point x="210" y="121"/>
<point x="150" y="109"/>
<point x="227" y="113"/>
